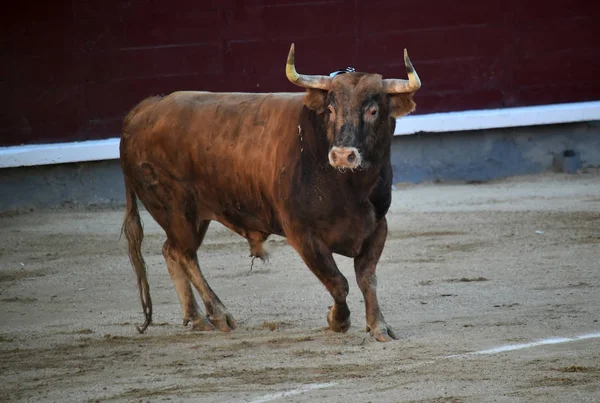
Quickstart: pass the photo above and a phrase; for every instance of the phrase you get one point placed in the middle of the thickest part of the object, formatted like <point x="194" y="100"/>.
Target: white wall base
<point x="497" y="118"/>
<point x="59" y="153"/>
<point x="95" y="150"/>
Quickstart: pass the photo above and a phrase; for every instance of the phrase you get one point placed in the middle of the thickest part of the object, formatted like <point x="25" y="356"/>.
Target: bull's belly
<point x="243" y="219"/>
<point x="252" y="230"/>
<point x="345" y="236"/>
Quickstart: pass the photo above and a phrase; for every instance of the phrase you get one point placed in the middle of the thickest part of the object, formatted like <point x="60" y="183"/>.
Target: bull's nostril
<point x="351" y="157"/>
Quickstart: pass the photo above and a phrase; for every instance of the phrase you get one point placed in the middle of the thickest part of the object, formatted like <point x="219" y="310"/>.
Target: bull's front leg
<point x="319" y="260"/>
<point x="365" y="265"/>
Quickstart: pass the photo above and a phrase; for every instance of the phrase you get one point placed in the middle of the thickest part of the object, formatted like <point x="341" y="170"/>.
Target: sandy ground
<point x="467" y="267"/>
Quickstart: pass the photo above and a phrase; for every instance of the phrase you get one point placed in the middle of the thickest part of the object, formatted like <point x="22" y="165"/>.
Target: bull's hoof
<point x="223" y="322"/>
<point x="337" y="324"/>
<point x="201" y="324"/>
<point x="382" y="333"/>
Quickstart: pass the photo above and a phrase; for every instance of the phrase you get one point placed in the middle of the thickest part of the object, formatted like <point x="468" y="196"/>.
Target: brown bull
<point x="313" y="167"/>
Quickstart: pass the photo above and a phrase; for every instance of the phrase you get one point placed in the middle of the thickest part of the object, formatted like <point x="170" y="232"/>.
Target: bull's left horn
<point x="306" y="81"/>
<point x="398" y="86"/>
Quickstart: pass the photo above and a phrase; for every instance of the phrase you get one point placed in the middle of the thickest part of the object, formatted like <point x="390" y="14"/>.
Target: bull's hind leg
<point x="189" y="306"/>
<point x="175" y="210"/>
<point x="364" y="266"/>
<point x="319" y="260"/>
<point x="217" y="314"/>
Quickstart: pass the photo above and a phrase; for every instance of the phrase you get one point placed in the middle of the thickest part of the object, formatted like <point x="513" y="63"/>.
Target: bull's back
<point x="229" y="126"/>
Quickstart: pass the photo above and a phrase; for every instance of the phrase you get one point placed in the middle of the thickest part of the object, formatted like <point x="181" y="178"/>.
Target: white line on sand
<point x="512" y="347"/>
<point x="293" y="392"/>
<point x="495" y="350"/>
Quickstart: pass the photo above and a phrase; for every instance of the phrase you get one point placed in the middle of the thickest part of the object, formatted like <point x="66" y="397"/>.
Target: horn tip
<point x="408" y="63"/>
<point x="290" y="70"/>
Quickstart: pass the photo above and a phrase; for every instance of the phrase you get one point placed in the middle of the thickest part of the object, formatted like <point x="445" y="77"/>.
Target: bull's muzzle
<point x="344" y="157"/>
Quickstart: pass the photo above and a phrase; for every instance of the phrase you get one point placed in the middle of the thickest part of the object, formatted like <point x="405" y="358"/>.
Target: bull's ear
<point x="401" y="104"/>
<point x="316" y="100"/>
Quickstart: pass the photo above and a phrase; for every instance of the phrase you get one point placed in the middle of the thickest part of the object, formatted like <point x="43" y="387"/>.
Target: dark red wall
<point x="71" y="70"/>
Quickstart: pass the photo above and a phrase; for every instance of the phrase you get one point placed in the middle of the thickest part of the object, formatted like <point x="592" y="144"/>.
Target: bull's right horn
<point x="306" y="81"/>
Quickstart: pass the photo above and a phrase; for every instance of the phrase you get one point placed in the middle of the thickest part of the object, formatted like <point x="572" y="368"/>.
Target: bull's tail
<point x="134" y="232"/>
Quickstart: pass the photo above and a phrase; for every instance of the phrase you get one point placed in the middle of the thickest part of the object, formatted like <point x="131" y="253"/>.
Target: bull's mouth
<point x="343" y="158"/>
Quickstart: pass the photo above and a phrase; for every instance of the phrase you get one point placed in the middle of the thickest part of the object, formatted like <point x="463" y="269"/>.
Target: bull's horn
<point x="398" y="86"/>
<point x="301" y="80"/>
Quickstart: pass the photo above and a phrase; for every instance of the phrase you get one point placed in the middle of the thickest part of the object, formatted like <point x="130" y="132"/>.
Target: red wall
<point x="71" y="70"/>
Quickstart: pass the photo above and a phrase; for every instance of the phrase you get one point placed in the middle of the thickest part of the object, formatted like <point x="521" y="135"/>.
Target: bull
<point x="311" y="166"/>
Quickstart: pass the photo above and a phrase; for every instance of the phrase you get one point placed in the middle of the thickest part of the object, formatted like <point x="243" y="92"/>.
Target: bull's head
<point x="359" y="110"/>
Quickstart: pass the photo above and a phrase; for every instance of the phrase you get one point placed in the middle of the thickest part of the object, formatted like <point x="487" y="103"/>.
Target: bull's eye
<point x="372" y="112"/>
<point x="331" y="112"/>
